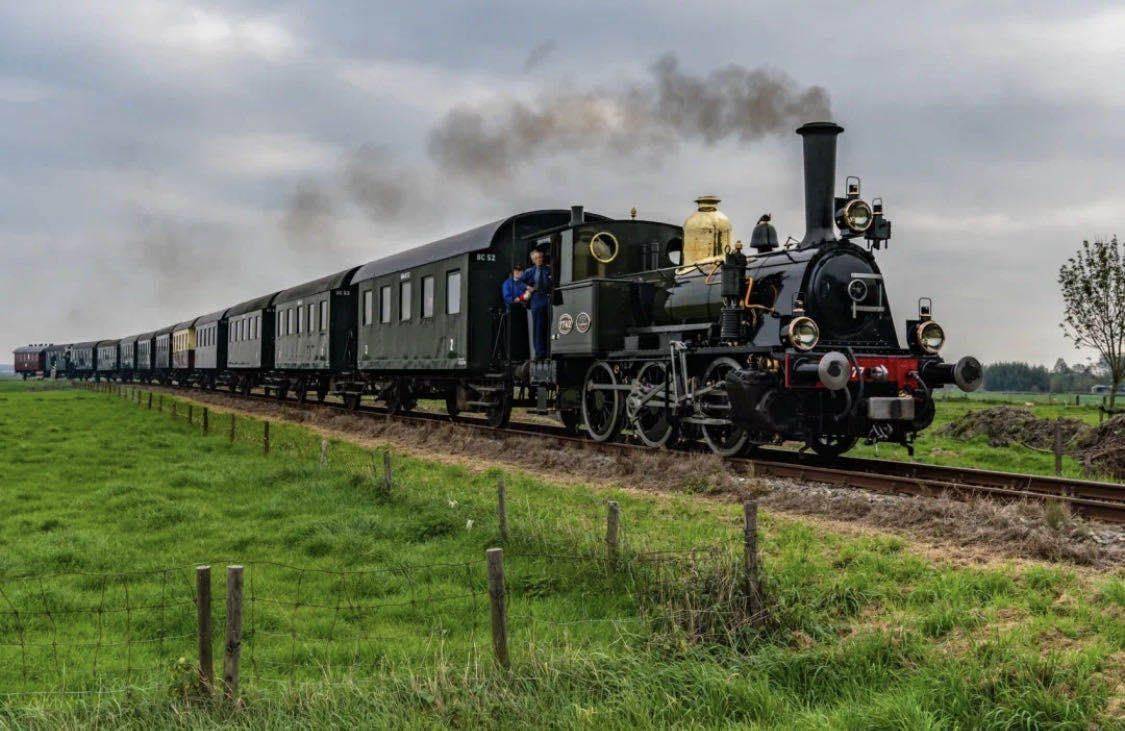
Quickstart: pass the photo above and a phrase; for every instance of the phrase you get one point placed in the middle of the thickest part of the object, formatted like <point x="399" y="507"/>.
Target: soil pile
<point x="1103" y="448"/>
<point x="1004" y="426"/>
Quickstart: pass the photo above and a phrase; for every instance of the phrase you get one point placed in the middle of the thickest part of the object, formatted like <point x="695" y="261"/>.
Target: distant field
<point x="931" y="447"/>
<point x="369" y="611"/>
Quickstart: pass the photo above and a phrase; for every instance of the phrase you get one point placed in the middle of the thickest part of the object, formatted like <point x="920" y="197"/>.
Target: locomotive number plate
<point x="486" y="257"/>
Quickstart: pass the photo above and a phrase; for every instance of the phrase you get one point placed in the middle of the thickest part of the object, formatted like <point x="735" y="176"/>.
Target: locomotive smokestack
<point x="577" y="215"/>
<point x="820" y="182"/>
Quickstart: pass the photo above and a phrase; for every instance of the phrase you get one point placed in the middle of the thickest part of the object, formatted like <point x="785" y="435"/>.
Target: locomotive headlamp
<point x="930" y="336"/>
<point x="803" y="333"/>
<point x="855" y="216"/>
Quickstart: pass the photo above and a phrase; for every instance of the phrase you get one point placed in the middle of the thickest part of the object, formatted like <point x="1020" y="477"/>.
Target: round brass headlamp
<point x="930" y="336"/>
<point x="803" y="333"/>
<point x="855" y="216"/>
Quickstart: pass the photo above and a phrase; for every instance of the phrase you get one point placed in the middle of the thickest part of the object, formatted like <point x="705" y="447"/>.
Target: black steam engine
<point x="740" y="349"/>
<point x="668" y="333"/>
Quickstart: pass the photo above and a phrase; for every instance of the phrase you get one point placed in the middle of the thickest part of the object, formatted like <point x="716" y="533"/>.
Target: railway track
<point x="1104" y="501"/>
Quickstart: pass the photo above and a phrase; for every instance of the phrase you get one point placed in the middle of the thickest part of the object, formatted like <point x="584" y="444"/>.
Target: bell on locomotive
<point x="824" y="363"/>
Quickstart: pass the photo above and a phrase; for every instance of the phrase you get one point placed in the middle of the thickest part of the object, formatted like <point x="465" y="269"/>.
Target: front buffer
<point x="832" y="400"/>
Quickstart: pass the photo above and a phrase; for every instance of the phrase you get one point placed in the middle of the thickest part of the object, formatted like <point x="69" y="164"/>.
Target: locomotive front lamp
<point x="803" y="333"/>
<point x="930" y="336"/>
<point x="855" y="216"/>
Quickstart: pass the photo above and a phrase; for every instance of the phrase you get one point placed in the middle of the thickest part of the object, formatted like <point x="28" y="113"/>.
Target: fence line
<point x="290" y="619"/>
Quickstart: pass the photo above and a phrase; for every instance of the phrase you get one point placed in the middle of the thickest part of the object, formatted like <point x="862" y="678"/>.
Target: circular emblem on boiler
<point x="582" y="322"/>
<point x="566" y="322"/>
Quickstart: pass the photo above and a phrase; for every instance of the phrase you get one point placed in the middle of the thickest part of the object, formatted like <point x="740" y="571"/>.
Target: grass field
<point x="934" y="448"/>
<point x="370" y="610"/>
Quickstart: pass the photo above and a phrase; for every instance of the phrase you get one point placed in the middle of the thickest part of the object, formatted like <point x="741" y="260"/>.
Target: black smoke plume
<point x="648" y="118"/>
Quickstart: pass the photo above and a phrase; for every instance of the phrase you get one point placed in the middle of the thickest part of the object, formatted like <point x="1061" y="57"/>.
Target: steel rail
<point x="1103" y="501"/>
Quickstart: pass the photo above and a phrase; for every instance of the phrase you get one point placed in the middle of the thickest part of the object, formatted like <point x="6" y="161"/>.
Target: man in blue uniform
<point x="514" y="290"/>
<point x="516" y="300"/>
<point x="538" y="281"/>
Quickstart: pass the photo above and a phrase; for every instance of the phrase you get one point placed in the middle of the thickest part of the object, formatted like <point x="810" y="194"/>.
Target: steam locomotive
<point x="666" y="333"/>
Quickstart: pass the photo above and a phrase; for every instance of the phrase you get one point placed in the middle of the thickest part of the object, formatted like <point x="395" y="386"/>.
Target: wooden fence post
<point x="502" y="509"/>
<point x="203" y="612"/>
<point x="323" y="453"/>
<point x="612" y="527"/>
<point x="265" y="437"/>
<point x="234" y="632"/>
<point x="206" y="420"/>
<point x="150" y="400"/>
<point x="498" y="602"/>
<point x="388" y="474"/>
<point x="1058" y="447"/>
<point x="750" y="545"/>
<point x="174" y="409"/>
<point x="190" y="410"/>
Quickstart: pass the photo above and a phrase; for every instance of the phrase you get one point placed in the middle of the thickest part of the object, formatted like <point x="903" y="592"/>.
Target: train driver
<point x="538" y="281"/>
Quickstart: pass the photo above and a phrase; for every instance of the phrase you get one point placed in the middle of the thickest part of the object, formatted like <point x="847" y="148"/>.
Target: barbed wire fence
<point x="274" y="622"/>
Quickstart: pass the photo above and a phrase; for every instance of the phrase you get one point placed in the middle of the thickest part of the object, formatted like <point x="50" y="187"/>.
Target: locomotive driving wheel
<point x="831" y="445"/>
<point x="647" y="406"/>
<point x="601" y="402"/>
<point x="725" y="440"/>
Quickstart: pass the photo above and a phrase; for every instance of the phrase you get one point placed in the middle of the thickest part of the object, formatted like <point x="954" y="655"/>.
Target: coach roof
<point x="324" y="284"/>
<point x="466" y="242"/>
<point x="258" y="303"/>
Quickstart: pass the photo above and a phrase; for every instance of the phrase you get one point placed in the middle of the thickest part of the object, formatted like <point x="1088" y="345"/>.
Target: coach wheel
<point x="399" y="398"/>
<point x="282" y="391"/>
<point x="831" y="445"/>
<point x="321" y="392"/>
<point x="302" y="390"/>
<point x="351" y="401"/>
<point x="601" y="403"/>
<point x="647" y="406"/>
<point x="246" y="388"/>
<point x="725" y="440"/>
<point x="498" y="415"/>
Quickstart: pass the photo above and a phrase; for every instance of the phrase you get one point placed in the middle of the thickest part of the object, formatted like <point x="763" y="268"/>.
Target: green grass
<point x="366" y="610"/>
<point x="932" y="447"/>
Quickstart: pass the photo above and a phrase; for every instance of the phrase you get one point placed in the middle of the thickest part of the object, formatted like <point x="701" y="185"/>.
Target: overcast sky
<point x="160" y="160"/>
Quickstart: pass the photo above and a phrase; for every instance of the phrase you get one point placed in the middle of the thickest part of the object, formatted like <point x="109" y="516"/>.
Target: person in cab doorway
<point x="538" y="281"/>
<point x="516" y="301"/>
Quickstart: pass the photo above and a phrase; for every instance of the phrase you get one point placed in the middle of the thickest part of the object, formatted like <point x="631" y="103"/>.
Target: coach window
<point x="427" y="297"/>
<point x="368" y="306"/>
<point x="453" y="292"/>
<point x="254" y="327"/>
<point x="404" y="301"/>
<point x="385" y="305"/>
<point x="323" y="315"/>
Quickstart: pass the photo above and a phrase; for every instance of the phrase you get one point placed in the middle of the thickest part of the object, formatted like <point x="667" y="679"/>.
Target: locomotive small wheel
<point x="725" y="441"/>
<point x="451" y="406"/>
<point x="831" y="445"/>
<point x="650" y="422"/>
<point x="571" y="421"/>
<point x="601" y="409"/>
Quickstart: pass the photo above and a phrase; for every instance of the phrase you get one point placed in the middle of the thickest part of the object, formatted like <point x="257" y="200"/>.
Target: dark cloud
<point x="492" y="140"/>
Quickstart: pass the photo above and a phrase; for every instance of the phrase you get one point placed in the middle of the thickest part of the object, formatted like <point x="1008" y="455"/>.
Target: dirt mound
<point x="1008" y="425"/>
<point x="1102" y="448"/>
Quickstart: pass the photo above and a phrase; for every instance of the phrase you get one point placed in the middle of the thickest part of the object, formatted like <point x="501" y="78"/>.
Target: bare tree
<point x="1093" y="289"/>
